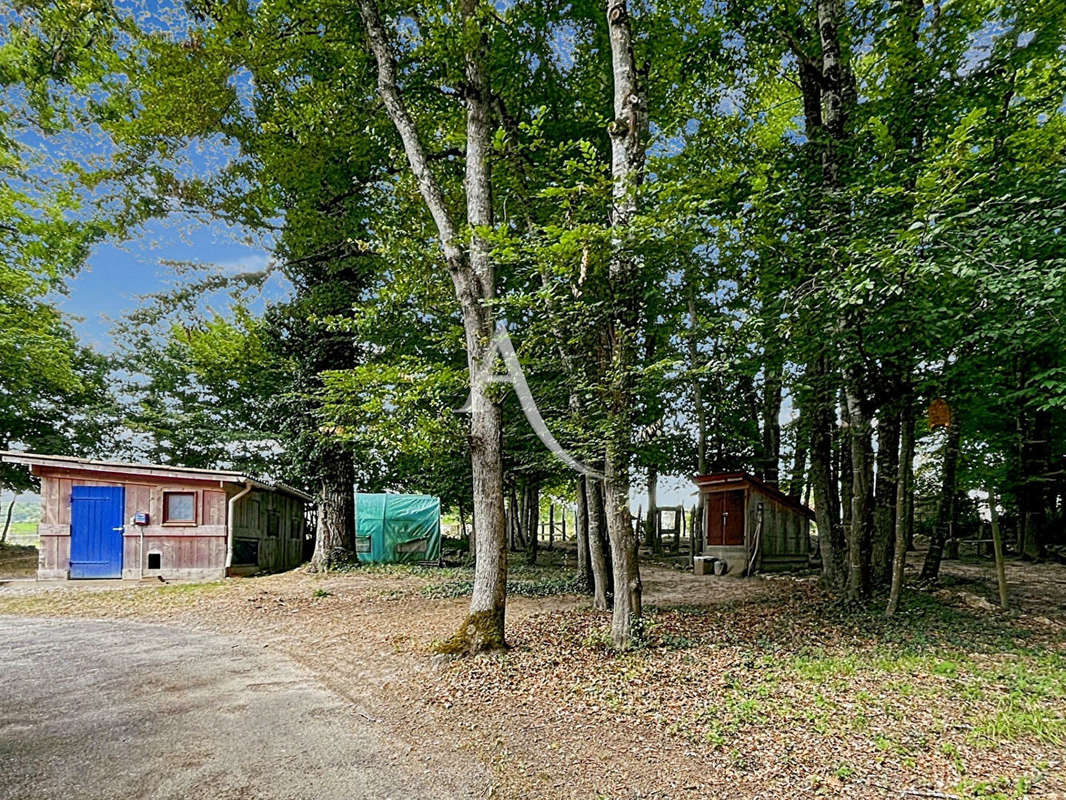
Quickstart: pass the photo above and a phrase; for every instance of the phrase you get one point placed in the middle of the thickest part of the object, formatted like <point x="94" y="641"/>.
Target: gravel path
<point x="92" y="709"/>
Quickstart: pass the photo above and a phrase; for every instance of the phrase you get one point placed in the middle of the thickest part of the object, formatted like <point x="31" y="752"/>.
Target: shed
<point x="397" y="528"/>
<point x="109" y="519"/>
<point x="748" y="523"/>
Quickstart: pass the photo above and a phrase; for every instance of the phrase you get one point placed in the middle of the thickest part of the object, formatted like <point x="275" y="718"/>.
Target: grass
<point x="938" y="690"/>
<point x="545" y="579"/>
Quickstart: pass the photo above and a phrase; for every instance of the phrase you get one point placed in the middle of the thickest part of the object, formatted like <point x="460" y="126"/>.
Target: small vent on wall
<point x="155" y="560"/>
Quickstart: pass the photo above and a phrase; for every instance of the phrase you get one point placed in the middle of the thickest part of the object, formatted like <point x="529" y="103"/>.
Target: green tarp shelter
<point x="397" y="528"/>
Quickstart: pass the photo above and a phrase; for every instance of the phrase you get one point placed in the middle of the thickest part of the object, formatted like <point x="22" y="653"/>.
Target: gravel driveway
<point x="94" y="709"/>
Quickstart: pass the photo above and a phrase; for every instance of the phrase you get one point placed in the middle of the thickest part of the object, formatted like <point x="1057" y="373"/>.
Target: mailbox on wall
<point x="140" y="518"/>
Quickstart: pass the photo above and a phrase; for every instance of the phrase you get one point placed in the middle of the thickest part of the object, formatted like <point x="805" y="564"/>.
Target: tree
<point x="473" y="275"/>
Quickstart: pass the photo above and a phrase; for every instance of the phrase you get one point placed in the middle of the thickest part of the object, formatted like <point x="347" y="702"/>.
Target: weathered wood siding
<point x="185" y="551"/>
<point x="783" y="538"/>
<point x="279" y="545"/>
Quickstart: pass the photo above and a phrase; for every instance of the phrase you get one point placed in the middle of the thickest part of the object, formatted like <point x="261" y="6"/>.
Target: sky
<point x="116" y="275"/>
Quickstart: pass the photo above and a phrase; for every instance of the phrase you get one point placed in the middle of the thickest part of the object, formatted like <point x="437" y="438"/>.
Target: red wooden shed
<point x="107" y="519"/>
<point x="752" y="526"/>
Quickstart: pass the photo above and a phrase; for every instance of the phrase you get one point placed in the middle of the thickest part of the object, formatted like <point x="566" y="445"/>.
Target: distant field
<point x="17" y="561"/>
<point x="22" y="533"/>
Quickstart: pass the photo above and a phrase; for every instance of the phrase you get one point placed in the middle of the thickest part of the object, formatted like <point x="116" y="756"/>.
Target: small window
<point x="155" y="560"/>
<point x="295" y="531"/>
<point x="179" y="507"/>
<point x="273" y="523"/>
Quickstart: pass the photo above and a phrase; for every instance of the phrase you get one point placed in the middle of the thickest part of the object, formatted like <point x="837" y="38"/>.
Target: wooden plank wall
<point x="186" y="551"/>
<point x="251" y="516"/>
<point x="784" y="536"/>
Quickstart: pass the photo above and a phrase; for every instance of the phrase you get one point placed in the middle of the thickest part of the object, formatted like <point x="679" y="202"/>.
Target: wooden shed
<point x="103" y="519"/>
<point x="749" y="524"/>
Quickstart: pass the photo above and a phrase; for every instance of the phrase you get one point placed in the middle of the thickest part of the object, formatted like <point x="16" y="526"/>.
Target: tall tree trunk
<point x="844" y="472"/>
<point x="601" y="574"/>
<point x="1034" y="503"/>
<point x="517" y="520"/>
<point x="581" y="533"/>
<point x="695" y="530"/>
<point x="335" y="511"/>
<point x="823" y="479"/>
<point x="860" y="435"/>
<point x="473" y="277"/>
<point x="551" y="525"/>
<point x="945" y="509"/>
<point x="885" y="494"/>
<point x="771" y="424"/>
<point x="904" y="488"/>
<point x="798" y="480"/>
<point x="654" y="539"/>
<point x="997" y="548"/>
<point x="626" y="131"/>
<point x="533" y="520"/>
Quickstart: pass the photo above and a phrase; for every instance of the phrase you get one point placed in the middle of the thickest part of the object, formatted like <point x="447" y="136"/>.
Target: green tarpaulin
<point x="397" y="528"/>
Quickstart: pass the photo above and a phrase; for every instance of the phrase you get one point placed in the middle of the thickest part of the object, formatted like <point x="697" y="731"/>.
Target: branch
<point x="405" y="126"/>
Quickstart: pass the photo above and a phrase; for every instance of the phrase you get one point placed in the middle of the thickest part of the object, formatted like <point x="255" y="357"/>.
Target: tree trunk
<point x="533" y="520"/>
<point x="797" y="482"/>
<point x="335" y="511"/>
<point x="997" y="547"/>
<point x="844" y="471"/>
<point x="679" y="529"/>
<point x="473" y="277"/>
<point x="1033" y="500"/>
<point x="885" y="494"/>
<point x="823" y="479"/>
<point x="904" y="489"/>
<point x="627" y="132"/>
<point x="860" y="534"/>
<point x="771" y="424"/>
<point x="601" y="575"/>
<point x="7" y="518"/>
<point x="945" y="510"/>
<point x="581" y="533"/>
<point x="695" y="529"/>
<point x="654" y="540"/>
<point x="626" y="617"/>
<point x="516" y="516"/>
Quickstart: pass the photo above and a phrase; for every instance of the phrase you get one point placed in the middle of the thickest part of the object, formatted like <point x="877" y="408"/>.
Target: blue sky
<point x="117" y="274"/>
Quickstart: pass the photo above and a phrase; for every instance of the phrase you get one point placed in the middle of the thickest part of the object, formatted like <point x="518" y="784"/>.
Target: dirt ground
<point x="185" y="714"/>
<point x="748" y="688"/>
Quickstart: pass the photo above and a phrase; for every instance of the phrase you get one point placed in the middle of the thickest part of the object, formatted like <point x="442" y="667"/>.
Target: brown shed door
<point x="725" y="518"/>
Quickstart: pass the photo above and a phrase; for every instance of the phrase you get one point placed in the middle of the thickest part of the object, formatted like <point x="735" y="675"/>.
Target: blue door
<point x="96" y="515"/>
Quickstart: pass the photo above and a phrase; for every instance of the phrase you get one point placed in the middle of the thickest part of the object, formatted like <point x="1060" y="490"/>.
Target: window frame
<point x="181" y="523"/>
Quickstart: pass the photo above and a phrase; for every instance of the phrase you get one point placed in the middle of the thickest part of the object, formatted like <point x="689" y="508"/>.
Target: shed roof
<point x="727" y="478"/>
<point x="146" y="470"/>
